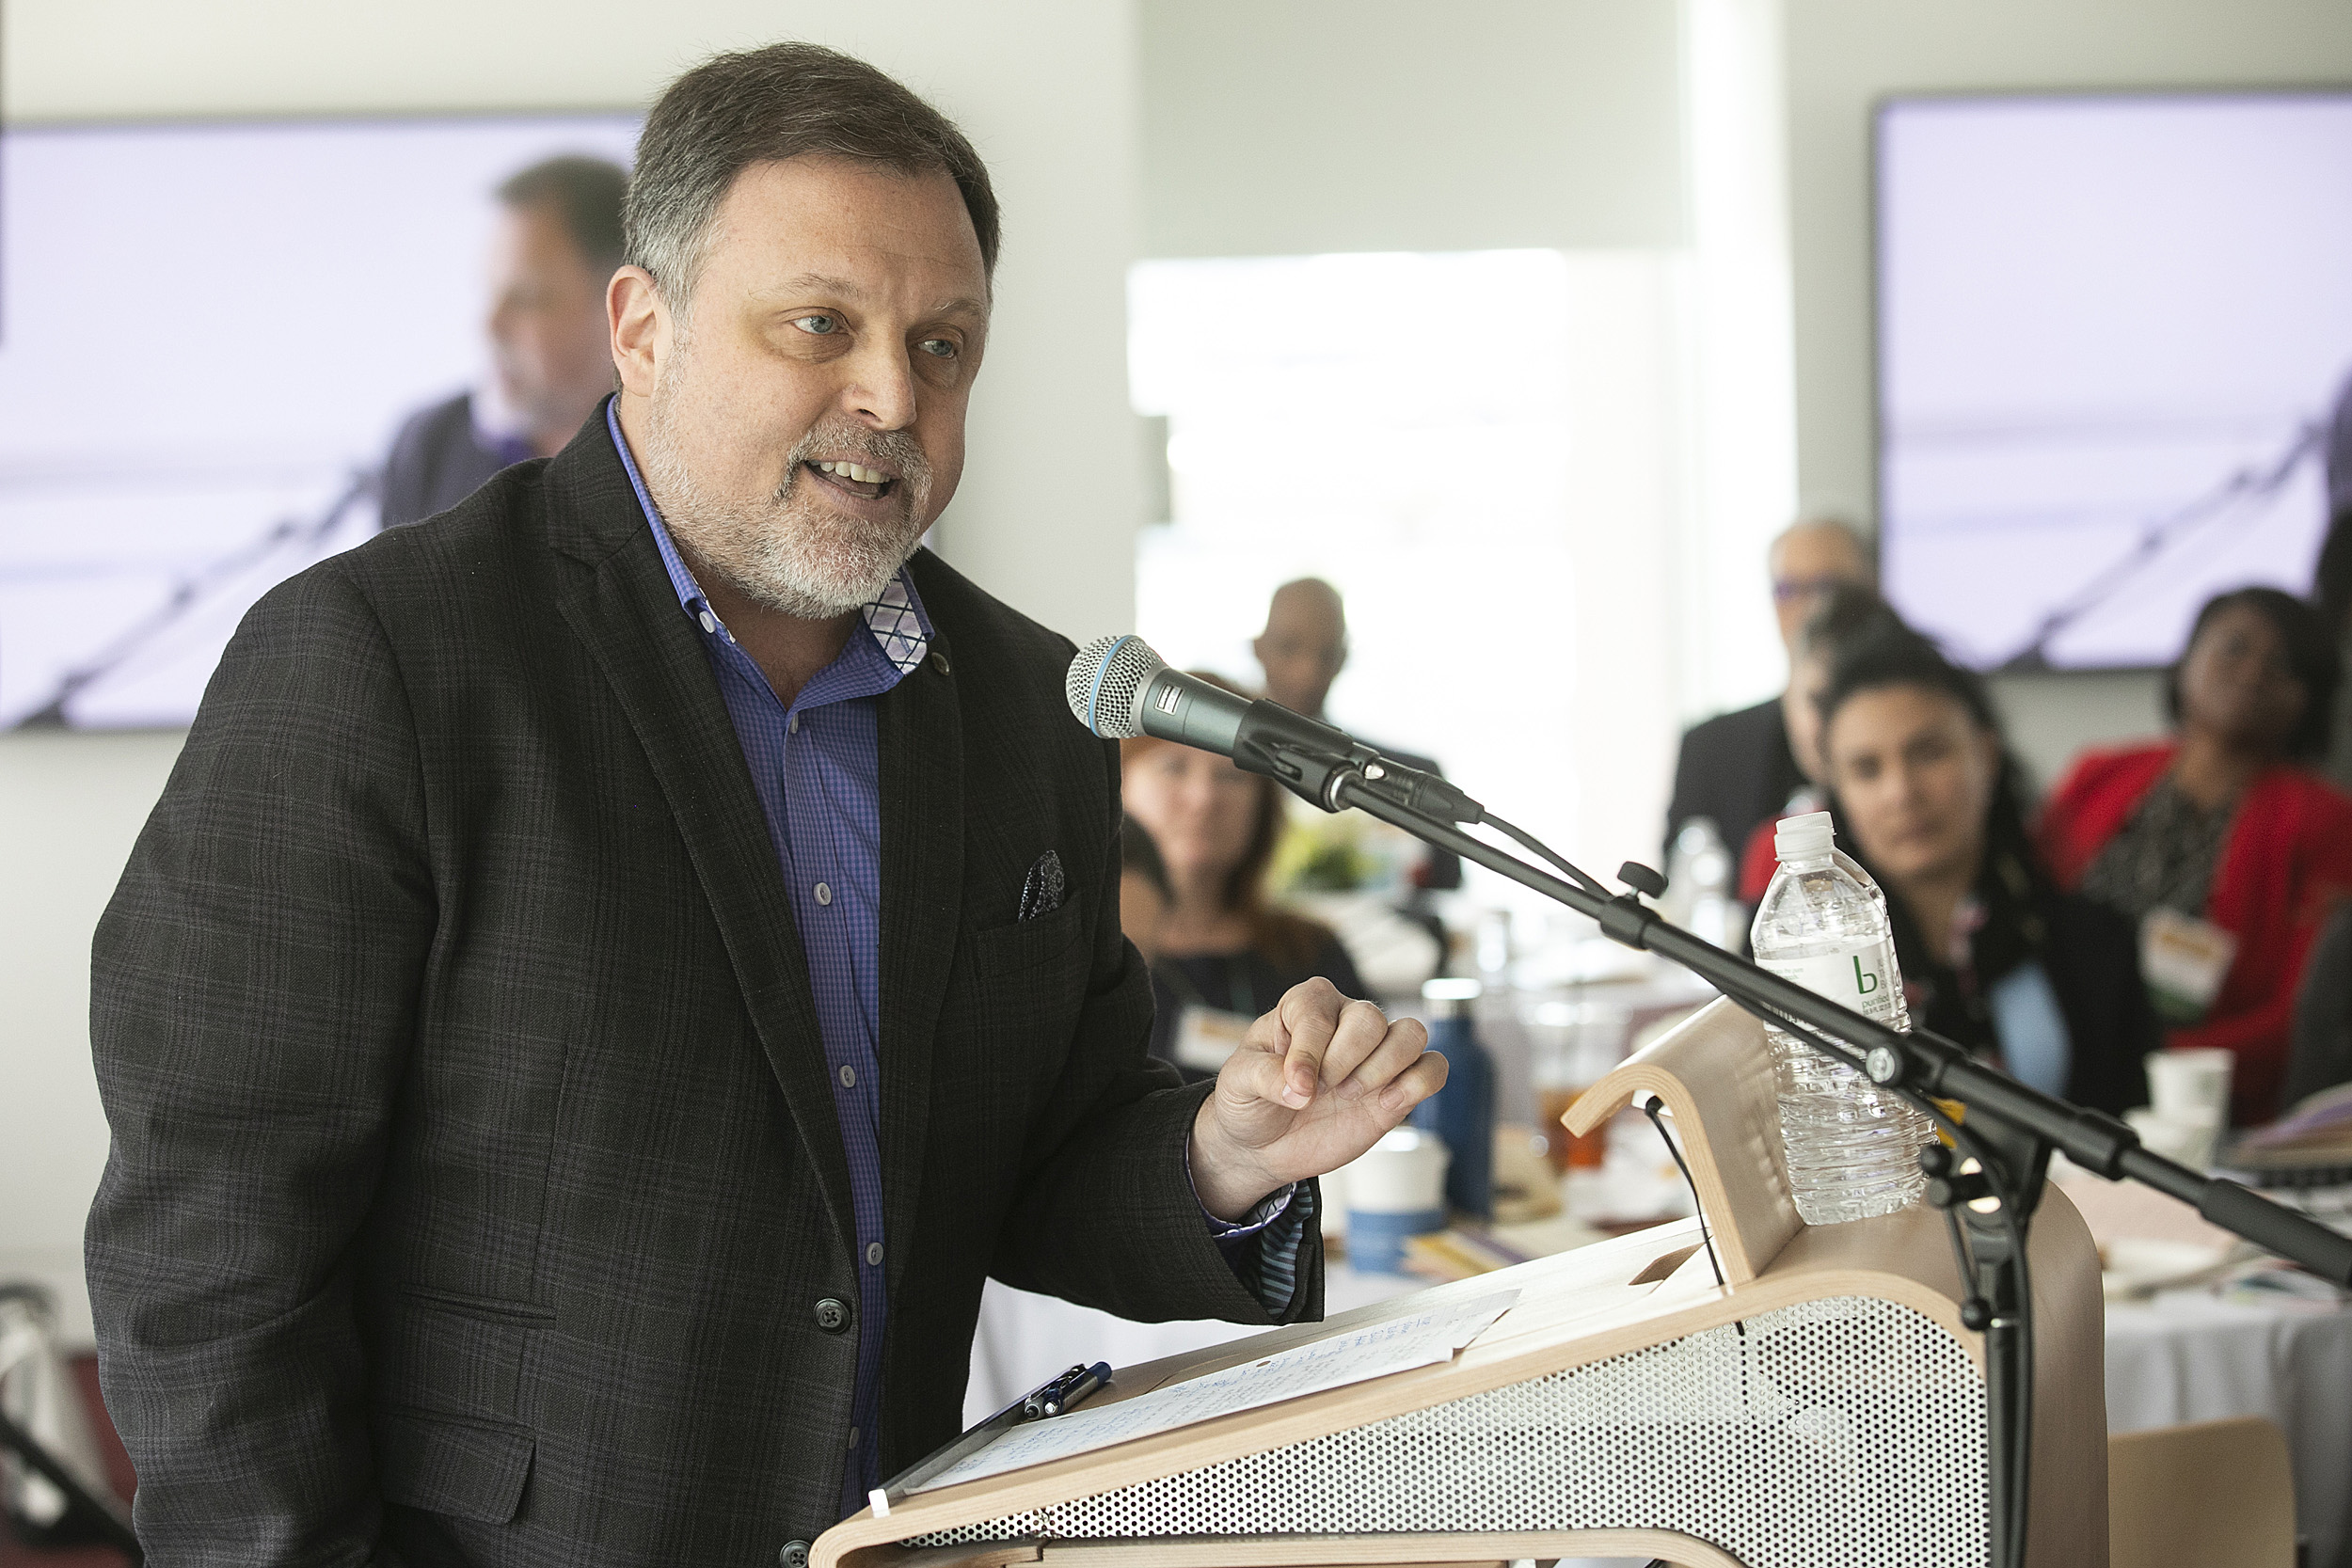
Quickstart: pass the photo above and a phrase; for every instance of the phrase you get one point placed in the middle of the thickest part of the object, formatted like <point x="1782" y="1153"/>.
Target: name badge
<point x="2183" y="961"/>
<point x="1205" y="1036"/>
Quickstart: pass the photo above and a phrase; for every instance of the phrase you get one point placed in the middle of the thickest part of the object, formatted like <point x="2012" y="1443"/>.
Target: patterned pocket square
<point x="1040" y="895"/>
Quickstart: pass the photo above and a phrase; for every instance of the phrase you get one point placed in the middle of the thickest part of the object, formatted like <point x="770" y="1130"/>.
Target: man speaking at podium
<point x="617" y="965"/>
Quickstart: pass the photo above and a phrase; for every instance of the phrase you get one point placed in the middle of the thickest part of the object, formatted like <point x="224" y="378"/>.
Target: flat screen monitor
<point x="209" y="334"/>
<point x="2114" y="331"/>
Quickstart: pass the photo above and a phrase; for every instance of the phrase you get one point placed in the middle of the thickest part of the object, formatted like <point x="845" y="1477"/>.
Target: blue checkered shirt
<point x="816" y="765"/>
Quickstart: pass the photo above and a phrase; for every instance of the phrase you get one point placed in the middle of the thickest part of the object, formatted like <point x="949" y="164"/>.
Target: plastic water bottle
<point x="1852" y="1148"/>
<point x="1698" y="882"/>
<point x="1462" y="1113"/>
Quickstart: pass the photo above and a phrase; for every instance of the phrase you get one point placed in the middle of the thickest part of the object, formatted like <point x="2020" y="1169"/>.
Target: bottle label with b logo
<point x="1855" y="977"/>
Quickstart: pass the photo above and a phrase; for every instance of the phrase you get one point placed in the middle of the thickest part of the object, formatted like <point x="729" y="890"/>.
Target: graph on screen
<point x="209" y="333"/>
<point x="2112" y="334"/>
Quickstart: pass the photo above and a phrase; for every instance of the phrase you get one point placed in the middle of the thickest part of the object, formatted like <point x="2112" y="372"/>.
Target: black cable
<point x="1530" y="842"/>
<point x="1706" y="1234"/>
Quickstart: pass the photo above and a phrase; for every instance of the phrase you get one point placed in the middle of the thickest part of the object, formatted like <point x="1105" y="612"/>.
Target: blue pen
<point x="1055" y="1397"/>
<point x="1066" y="1391"/>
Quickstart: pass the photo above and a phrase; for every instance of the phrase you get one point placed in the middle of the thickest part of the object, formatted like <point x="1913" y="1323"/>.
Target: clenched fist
<point x="1315" y="1083"/>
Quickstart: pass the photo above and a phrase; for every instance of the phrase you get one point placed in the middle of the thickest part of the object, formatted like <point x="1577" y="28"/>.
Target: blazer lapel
<point x="921" y="743"/>
<point x="628" y="616"/>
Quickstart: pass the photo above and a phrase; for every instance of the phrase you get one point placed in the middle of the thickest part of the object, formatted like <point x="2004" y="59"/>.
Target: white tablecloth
<point x="2184" y="1357"/>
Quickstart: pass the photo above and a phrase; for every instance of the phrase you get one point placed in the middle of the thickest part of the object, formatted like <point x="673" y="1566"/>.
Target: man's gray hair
<point x="762" y="106"/>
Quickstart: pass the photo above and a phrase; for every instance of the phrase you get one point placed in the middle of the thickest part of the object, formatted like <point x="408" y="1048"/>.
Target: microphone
<point x="1120" y="689"/>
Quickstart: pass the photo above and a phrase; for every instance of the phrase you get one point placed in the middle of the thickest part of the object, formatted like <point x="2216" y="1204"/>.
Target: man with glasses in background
<point x="1735" y="769"/>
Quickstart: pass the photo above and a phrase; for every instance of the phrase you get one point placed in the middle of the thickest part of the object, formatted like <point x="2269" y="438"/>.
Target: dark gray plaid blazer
<point x="475" y="1175"/>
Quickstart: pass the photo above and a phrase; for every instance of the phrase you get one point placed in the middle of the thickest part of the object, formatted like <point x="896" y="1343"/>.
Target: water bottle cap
<point x="1803" y="837"/>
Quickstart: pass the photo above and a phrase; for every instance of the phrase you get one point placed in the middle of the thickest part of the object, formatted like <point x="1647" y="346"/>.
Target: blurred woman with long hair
<point x="1225" y="953"/>
<point x="1994" y="955"/>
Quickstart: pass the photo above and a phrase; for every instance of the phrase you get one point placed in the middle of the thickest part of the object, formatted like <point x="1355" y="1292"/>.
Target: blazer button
<point x="832" y="1316"/>
<point x="793" y="1554"/>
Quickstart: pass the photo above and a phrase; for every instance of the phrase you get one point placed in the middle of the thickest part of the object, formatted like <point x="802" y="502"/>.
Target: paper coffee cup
<point x="2191" y="1143"/>
<point x="2190" y="1086"/>
<point x="1395" y="1189"/>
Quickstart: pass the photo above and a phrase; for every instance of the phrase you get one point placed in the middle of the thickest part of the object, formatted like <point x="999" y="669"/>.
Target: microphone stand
<point x="2010" y="1131"/>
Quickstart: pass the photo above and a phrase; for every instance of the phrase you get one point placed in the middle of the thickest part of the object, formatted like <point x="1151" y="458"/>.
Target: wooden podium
<point x="1823" y="1407"/>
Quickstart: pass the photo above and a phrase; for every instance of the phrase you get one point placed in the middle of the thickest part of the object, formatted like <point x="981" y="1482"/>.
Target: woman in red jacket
<point x="2222" y="843"/>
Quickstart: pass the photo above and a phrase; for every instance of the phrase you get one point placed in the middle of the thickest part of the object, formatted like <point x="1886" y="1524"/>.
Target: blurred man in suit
<point x="1302" y="650"/>
<point x="614" y="972"/>
<point x="1736" y="769"/>
<point x="558" y="239"/>
<point x="1304" y="646"/>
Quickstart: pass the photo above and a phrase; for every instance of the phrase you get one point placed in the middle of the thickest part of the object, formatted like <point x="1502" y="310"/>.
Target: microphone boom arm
<point x="1119" y="689"/>
<point x="1919" y="1062"/>
<point x="2010" y="1129"/>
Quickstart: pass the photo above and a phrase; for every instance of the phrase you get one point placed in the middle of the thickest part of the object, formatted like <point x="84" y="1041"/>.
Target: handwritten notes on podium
<point x="1422" y="1339"/>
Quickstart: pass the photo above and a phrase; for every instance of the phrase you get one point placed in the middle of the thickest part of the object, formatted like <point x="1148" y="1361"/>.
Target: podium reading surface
<point x="1822" y="1407"/>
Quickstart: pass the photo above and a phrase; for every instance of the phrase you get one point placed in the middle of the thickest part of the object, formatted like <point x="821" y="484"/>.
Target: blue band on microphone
<point x="1102" y="669"/>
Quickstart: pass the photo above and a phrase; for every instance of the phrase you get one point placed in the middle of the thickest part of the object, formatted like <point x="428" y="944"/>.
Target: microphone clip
<point x="1319" y="765"/>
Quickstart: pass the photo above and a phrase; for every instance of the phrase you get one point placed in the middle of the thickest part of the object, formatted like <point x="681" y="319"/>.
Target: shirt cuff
<point x="1268" y="1209"/>
<point x="1262" y="1247"/>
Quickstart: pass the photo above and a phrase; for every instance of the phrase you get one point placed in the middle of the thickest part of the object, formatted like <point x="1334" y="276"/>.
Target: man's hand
<point x="1315" y="1083"/>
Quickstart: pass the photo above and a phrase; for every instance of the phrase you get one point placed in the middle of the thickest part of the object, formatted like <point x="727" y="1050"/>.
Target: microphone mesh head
<point x="1106" y="681"/>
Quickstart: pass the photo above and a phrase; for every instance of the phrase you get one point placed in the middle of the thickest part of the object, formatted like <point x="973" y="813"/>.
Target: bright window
<point x="1477" y="449"/>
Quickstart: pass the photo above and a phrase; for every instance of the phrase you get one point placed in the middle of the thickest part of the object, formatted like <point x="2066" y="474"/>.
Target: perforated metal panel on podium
<point x="1822" y="1408"/>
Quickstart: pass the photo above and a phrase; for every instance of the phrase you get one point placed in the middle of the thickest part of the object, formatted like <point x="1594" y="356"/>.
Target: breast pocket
<point x="1032" y="970"/>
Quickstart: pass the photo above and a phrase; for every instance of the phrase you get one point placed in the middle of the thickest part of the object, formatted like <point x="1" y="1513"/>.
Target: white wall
<point x="1641" y="139"/>
<point x="1047" y="89"/>
<point x="1842" y="56"/>
<point x="69" y="806"/>
<point x="1741" y="451"/>
<point x="1349" y="125"/>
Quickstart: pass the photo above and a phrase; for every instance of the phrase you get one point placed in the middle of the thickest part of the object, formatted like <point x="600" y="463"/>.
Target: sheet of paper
<point x="1419" y="1340"/>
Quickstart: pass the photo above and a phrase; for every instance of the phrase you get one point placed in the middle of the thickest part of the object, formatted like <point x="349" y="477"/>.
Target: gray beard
<point x="791" y="552"/>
